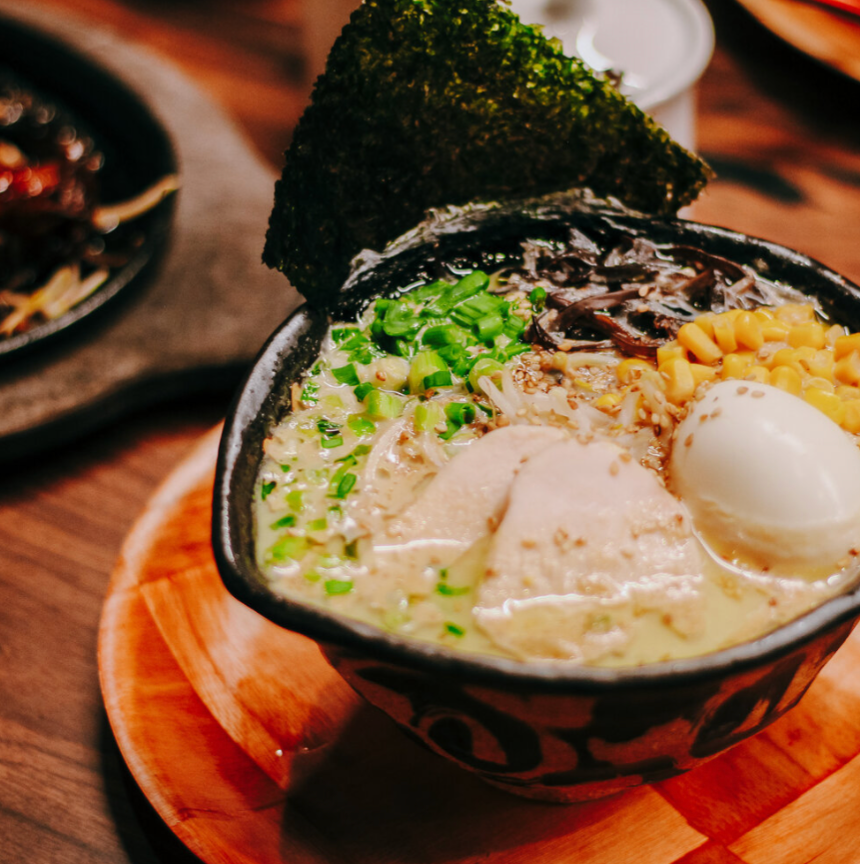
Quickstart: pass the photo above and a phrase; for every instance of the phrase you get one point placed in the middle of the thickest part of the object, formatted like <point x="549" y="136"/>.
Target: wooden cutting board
<point x="252" y="749"/>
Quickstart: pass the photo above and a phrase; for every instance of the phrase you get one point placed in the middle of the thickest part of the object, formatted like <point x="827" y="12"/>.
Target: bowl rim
<point x="367" y="640"/>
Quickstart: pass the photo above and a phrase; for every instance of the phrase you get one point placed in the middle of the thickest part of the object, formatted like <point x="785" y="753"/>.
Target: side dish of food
<point x="606" y="455"/>
<point x="59" y="241"/>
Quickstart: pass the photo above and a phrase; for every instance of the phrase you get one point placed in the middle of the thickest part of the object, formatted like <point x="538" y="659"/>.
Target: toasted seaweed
<point x="426" y="103"/>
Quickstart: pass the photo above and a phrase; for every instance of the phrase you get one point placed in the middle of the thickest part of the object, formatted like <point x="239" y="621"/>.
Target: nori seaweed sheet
<point x="426" y="103"/>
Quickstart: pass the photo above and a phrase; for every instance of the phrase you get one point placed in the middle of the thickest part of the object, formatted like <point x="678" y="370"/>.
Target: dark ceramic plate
<point x="137" y="153"/>
<point x="713" y="699"/>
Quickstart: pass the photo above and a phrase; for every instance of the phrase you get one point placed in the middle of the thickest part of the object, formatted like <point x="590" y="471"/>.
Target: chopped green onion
<point x="537" y="297"/>
<point x="347" y="481"/>
<point x="425" y="292"/>
<point x="351" y="549"/>
<point x="361" y="426"/>
<point x="312" y="576"/>
<point x="336" y="510"/>
<point x="428" y="415"/>
<point x="425" y="364"/>
<point x="346" y="375"/>
<point x="460" y="413"/>
<point x="294" y="500"/>
<point x="361" y="450"/>
<point x="266" y="489"/>
<point x="382" y="405"/>
<point x="454" y="629"/>
<point x="289" y="547"/>
<point x="309" y="393"/>
<point x="318" y="524"/>
<point x="362" y="390"/>
<point x="400" y="321"/>
<point x="447" y="590"/>
<point x="465" y="288"/>
<point x="484" y="366"/>
<point x="331" y="443"/>
<point x="284" y="522"/>
<point x="327" y="427"/>
<point x="514" y="327"/>
<point x="337" y="586"/>
<point x="438" y="379"/>
<point x="513" y="349"/>
<point x="445" y="334"/>
<point x="348" y="461"/>
<point x="489" y="327"/>
<point x="341" y="334"/>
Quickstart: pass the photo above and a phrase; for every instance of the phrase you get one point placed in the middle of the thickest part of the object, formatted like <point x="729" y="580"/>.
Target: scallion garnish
<point x="361" y="426"/>
<point x="337" y="586"/>
<point x="331" y="443"/>
<point x="289" y="547"/>
<point x="266" y="489"/>
<point x="454" y="629"/>
<point x="362" y="391"/>
<point x="284" y="522"/>
<point x="318" y="524"/>
<point x="447" y="590"/>
<point x="346" y="375"/>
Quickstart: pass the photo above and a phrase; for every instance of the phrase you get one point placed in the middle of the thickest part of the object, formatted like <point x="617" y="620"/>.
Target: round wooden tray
<point x="252" y="749"/>
<point x="828" y="36"/>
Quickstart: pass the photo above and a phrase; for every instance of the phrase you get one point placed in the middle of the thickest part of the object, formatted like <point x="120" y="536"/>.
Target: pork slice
<point x="589" y="540"/>
<point x="465" y="500"/>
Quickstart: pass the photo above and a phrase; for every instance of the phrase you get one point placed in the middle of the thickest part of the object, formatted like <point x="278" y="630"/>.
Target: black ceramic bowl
<point x="543" y="730"/>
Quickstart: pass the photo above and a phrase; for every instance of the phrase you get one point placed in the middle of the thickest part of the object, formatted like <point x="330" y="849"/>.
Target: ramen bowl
<point x="546" y="730"/>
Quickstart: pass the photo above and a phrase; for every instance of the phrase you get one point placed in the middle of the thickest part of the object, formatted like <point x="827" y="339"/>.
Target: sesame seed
<point x="614" y="469"/>
<point x="528" y="542"/>
<point x="688" y="441"/>
<point x="758" y="394"/>
<point x="742" y="390"/>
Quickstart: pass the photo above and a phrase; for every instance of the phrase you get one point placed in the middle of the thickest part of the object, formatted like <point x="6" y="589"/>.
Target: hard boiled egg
<point x="767" y="477"/>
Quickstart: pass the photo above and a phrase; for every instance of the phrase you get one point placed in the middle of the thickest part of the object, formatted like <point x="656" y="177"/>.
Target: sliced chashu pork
<point x="589" y="540"/>
<point x="464" y="501"/>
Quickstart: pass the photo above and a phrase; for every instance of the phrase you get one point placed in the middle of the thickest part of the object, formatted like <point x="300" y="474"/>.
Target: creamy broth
<point x="391" y="492"/>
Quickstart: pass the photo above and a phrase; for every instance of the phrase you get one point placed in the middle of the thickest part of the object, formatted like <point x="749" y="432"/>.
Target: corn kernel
<point x="810" y="334"/>
<point x="630" y="369"/>
<point x="846" y="392"/>
<point x="724" y="335"/>
<point x="734" y="365"/>
<point x="828" y="403"/>
<point x="787" y="357"/>
<point x="671" y="350"/>
<point x="821" y="364"/>
<point x="759" y="374"/>
<point x="608" y="401"/>
<point x="699" y="344"/>
<point x="775" y="331"/>
<point x="706" y="322"/>
<point x="816" y="382"/>
<point x="851" y="420"/>
<point x="846" y="344"/>
<point x="833" y="333"/>
<point x="847" y="370"/>
<point x="680" y="383"/>
<point x="702" y="373"/>
<point x="763" y="314"/>
<point x="748" y="331"/>
<point x="786" y="379"/>
<point x="795" y="313"/>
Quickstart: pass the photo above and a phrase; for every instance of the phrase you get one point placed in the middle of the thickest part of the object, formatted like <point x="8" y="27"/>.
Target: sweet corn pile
<point x="787" y="347"/>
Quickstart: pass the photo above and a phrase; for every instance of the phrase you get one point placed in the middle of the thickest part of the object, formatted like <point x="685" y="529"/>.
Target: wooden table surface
<point x="784" y="135"/>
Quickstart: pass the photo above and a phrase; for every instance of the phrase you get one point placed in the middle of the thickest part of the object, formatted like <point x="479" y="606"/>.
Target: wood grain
<point x="311" y="770"/>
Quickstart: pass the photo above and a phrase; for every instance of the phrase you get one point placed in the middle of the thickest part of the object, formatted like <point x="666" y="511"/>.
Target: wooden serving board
<point x="252" y="749"/>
